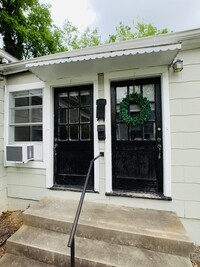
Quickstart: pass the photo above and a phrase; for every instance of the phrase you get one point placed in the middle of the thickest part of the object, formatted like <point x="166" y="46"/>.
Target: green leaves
<point x="27" y="29"/>
<point x="139" y="30"/>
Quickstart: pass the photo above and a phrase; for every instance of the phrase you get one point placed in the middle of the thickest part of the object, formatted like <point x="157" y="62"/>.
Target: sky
<point x="176" y="15"/>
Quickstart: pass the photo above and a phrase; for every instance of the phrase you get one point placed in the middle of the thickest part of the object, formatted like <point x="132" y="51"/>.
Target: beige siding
<point x="22" y="78"/>
<point x="25" y="183"/>
<point x="185" y="139"/>
<point x="3" y="180"/>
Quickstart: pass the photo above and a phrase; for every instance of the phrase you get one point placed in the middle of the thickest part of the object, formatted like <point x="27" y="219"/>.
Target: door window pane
<point x="74" y="132"/>
<point x="148" y="92"/>
<point x="149" y="131"/>
<point x="135" y="89"/>
<point x="85" y="132"/>
<point x="122" y="131"/>
<point x="84" y="98"/>
<point x="63" y="132"/>
<point x="85" y="114"/>
<point x="135" y="133"/>
<point x="73" y="99"/>
<point x="121" y="93"/>
<point x="63" y="101"/>
<point x="63" y="116"/>
<point x="73" y="115"/>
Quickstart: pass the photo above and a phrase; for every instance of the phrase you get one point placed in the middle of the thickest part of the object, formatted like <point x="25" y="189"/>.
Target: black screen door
<point x="73" y="135"/>
<point x="137" y="151"/>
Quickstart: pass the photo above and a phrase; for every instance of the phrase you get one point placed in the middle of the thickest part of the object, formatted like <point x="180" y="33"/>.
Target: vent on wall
<point x="19" y="153"/>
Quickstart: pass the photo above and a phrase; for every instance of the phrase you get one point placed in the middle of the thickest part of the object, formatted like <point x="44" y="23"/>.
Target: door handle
<point x="55" y="149"/>
<point x="159" y="146"/>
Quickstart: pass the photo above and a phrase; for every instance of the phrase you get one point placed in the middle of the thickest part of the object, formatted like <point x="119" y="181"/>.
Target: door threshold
<point x="134" y="194"/>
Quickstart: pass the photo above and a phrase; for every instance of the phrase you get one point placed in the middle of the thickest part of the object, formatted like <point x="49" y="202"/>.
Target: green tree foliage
<point x="27" y="29"/>
<point x="73" y="39"/>
<point x="139" y="29"/>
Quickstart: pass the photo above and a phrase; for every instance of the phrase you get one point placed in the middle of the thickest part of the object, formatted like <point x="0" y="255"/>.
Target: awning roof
<point x="69" y="65"/>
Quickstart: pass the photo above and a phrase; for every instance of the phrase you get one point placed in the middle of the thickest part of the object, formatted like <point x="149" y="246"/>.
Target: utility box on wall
<point x="19" y="153"/>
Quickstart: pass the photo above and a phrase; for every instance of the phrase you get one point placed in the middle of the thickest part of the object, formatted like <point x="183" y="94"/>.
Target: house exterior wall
<point x="184" y="88"/>
<point x="3" y="179"/>
<point x="27" y="184"/>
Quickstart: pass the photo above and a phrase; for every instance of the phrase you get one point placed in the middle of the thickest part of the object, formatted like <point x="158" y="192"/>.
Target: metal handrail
<point x="71" y="241"/>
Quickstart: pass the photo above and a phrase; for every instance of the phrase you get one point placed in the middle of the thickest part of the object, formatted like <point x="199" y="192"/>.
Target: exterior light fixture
<point x="177" y="65"/>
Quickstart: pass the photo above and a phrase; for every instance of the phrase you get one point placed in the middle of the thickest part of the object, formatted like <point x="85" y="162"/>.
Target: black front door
<point x="73" y="135"/>
<point x="137" y="151"/>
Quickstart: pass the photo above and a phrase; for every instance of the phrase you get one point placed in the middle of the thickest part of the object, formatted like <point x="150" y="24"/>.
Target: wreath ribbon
<point x="144" y="105"/>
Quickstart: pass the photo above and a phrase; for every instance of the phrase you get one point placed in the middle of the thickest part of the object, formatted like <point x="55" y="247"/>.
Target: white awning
<point x="69" y="65"/>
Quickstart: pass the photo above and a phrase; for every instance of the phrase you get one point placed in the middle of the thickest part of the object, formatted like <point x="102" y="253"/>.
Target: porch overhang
<point x="79" y="64"/>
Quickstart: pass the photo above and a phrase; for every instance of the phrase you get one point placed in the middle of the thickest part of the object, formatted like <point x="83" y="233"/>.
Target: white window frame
<point x="39" y="146"/>
<point x="162" y="72"/>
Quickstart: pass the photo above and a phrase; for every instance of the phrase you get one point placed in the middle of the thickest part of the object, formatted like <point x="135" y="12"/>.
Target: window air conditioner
<point x="19" y="153"/>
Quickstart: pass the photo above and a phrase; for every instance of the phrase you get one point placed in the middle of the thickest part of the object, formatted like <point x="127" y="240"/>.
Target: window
<point x="25" y="117"/>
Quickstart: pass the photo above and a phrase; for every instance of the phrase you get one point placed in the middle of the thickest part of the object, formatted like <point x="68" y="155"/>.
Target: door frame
<point x="49" y="118"/>
<point x="138" y="74"/>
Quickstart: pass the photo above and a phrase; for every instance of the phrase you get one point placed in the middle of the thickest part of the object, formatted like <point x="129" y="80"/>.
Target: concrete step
<point x="10" y="260"/>
<point x="50" y="248"/>
<point x="143" y="228"/>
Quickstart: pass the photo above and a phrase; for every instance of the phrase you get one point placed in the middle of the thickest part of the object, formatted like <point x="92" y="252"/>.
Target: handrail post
<point x="71" y="241"/>
<point x="73" y="253"/>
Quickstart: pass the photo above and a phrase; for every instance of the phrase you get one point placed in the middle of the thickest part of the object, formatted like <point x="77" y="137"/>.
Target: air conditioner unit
<point x="19" y="153"/>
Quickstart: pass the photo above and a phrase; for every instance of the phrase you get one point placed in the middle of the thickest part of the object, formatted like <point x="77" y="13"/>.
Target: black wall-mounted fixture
<point x="101" y="132"/>
<point x="101" y="103"/>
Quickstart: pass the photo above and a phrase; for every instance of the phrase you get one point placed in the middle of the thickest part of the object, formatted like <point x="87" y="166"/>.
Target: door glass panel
<point x="73" y="115"/>
<point x="73" y="99"/>
<point x="121" y="93"/>
<point x="63" y="116"/>
<point x="74" y="132"/>
<point x="149" y="131"/>
<point x="85" y="114"/>
<point x="152" y="116"/>
<point x="84" y="98"/>
<point x="135" y="133"/>
<point x="63" y="132"/>
<point x="122" y="131"/>
<point x="85" y="132"/>
<point x="63" y="100"/>
<point x="135" y="89"/>
<point x="148" y="92"/>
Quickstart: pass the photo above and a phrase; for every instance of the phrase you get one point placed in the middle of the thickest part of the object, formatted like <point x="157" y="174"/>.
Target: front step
<point x="144" y="228"/>
<point x="51" y="248"/>
<point x="107" y="235"/>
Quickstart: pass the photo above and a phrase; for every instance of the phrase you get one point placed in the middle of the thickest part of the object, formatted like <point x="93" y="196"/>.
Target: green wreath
<point x="145" y="109"/>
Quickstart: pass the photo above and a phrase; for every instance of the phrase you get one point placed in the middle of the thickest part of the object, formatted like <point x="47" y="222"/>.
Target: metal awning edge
<point x="146" y="50"/>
